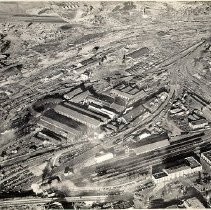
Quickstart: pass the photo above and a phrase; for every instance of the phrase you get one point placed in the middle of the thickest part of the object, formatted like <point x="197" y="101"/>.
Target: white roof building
<point x="103" y="157"/>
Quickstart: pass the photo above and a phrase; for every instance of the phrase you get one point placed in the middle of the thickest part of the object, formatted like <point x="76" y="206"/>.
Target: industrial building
<point x="101" y="100"/>
<point x="144" y="134"/>
<point x="50" y="136"/>
<point x="193" y="203"/>
<point x="134" y="113"/>
<point x="82" y="115"/>
<point x="61" y="125"/>
<point x="148" y="144"/>
<point x="175" y="169"/>
<point x="102" y="156"/>
<point x="197" y="124"/>
<point x="80" y="97"/>
<point x="206" y="156"/>
<point x="106" y="101"/>
<point x="129" y="93"/>
<point x="73" y="92"/>
<point x="104" y="110"/>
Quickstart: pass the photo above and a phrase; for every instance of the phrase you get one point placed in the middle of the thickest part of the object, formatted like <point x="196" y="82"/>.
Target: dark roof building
<point x="128" y="93"/>
<point x="134" y="113"/>
<point x="175" y="169"/>
<point x="73" y="93"/>
<point x="84" y="110"/>
<point x="80" y="115"/>
<point x="200" y="123"/>
<point x="59" y="128"/>
<point x="80" y="97"/>
<point x="207" y="157"/>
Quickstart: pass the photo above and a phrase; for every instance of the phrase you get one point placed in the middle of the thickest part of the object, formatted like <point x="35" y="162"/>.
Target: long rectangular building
<point x="178" y="168"/>
<point x="150" y="143"/>
<point x="59" y="128"/>
<point x="76" y="115"/>
<point x="73" y="93"/>
<point x="131" y="96"/>
<point x="134" y="113"/>
<point x="84" y="110"/>
<point x="207" y="157"/>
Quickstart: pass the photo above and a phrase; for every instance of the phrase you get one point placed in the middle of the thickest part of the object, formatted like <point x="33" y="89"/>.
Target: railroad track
<point x="141" y="162"/>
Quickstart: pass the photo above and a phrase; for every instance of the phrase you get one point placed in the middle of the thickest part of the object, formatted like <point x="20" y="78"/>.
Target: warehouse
<point x="59" y="128"/>
<point x="129" y="94"/>
<point x="207" y="157"/>
<point x="176" y="169"/>
<point x="102" y="156"/>
<point x="84" y="110"/>
<point x="101" y="100"/>
<point x="197" y="124"/>
<point x="80" y="97"/>
<point x="193" y="203"/>
<point x="73" y="93"/>
<point x="150" y="143"/>
<point x="134" y="113"/>
<point x="80" y="115"/>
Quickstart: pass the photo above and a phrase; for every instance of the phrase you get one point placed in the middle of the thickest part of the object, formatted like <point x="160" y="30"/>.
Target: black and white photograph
<point x="105" y="105"/>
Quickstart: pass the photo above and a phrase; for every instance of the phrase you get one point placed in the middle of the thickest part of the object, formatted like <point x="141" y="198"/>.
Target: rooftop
<point x="122" y="94"/>
<point x="102" y="97"/>
<point x="117" y="107"/>
<point x="198" y="122"/>
<point x="135" y="112"/>
<point x="45" y="121"/>
<point x="84" y="110"/>
<point x="160" y="175"/>
<point x="81" y="96"/>
<point x="207" y="154"/>
<point x="194" y="203"/>
<point x="74" y="92"/>
<point x="78" y="116"/>
<point x="177" y="168"/>
<point x="150" y="140"/>
<point x="176" y="165"/>
<point x="193" y="163"/>
<point x="63" y="119"/>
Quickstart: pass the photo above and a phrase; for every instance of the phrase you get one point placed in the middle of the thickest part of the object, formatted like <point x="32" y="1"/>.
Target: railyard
<point x="88" y="117"/>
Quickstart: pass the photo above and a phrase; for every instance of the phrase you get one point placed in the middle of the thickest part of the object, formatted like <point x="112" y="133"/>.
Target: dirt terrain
<point x="47" y="49"/>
